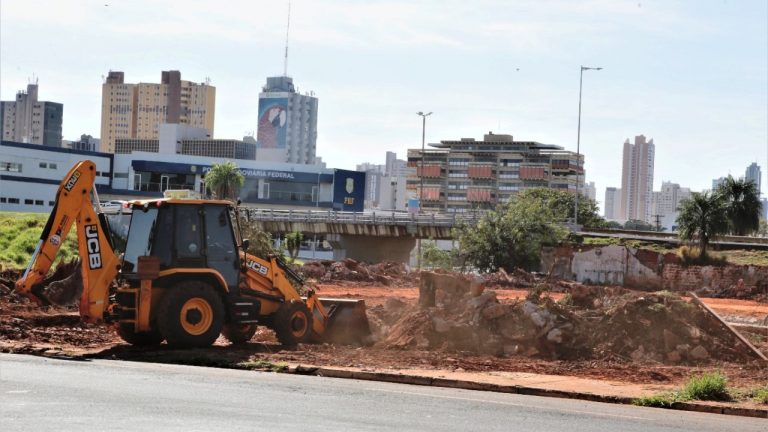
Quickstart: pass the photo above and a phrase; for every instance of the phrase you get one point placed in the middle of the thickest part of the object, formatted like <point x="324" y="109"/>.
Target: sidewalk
<point x="534" y="385"/>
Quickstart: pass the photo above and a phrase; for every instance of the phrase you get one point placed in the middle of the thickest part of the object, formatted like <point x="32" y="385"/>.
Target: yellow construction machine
<point x="185" y="275"/>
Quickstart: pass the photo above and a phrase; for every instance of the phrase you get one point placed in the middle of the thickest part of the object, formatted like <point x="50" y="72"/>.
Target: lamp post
<point x="421" y="175"/>
<point x="578" y="143"/>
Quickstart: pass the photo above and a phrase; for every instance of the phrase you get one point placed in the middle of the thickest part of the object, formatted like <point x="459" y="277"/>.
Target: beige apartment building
<point x="460" y="176"/>
<point x="136" y="110"/>
<point x="637" y="180"/>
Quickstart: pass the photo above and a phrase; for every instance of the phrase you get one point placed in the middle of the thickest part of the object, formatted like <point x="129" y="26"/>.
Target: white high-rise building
<point x="666" y="203"/>
<point x="637" y="179"/>
<point x="287" y="121"/>
<point x="28" y="120"/>
<point x="612" y="204"/>
<point x="588" y="190"/>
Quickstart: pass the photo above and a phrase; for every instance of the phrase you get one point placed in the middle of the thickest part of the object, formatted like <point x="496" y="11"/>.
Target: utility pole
<point x="421" y="178"/>
<point x="578" y="142"/>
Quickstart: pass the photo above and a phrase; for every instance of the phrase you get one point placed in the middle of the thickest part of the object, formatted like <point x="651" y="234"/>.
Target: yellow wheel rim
<point x="196" y="316"/>
<point x="298" y="324"/>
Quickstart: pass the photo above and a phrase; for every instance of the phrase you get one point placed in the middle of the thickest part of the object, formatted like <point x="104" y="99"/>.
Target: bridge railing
<point x="365" y="218"/>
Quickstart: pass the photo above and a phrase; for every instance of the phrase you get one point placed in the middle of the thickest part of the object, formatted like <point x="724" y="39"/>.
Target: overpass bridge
<point x="371" y="236"/>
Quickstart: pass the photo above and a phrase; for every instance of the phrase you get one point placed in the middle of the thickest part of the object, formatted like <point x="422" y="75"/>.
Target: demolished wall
<point x="648" y="270"/>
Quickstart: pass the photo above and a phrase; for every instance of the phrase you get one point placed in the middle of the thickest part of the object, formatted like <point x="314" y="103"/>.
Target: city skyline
<point x="690" y="74"/>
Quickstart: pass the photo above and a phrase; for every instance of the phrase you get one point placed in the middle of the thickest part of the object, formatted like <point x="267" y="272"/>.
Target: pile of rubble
<point x="349" y="270"/>
<point x="588" y="323"/>
<point x="24" y="324"/>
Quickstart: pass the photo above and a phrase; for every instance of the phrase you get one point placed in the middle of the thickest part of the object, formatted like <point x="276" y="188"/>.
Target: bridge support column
<point x="370" y="248"/>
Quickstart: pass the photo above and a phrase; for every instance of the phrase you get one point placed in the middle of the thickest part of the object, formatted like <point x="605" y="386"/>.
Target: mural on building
<point x="273" y="122"/>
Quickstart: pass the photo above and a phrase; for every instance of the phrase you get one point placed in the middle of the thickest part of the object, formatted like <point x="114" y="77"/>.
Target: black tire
<point x="127" y="333"/>
<point x="239" y="333"/>
<point x="191" y="314"/>
<point x="293" y="323"/>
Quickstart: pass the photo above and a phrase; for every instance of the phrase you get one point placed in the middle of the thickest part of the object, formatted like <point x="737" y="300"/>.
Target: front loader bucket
<point x="347" y="322"/>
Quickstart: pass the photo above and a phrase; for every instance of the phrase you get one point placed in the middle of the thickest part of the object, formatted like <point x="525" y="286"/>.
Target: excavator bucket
<point x="347" y="322"/>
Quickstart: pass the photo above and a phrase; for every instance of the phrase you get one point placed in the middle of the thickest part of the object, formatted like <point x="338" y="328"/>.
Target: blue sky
<point x="692" y="75"/>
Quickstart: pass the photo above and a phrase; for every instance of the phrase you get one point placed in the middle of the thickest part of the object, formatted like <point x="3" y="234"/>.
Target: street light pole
<point x="578" y="143"/>
<point x="421" y="175"/>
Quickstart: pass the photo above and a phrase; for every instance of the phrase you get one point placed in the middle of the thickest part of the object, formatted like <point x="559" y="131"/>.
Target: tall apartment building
<point x="637" y="179"/>
<point x="588" y="190"/>
<point x="754" y="175"/>
<point x="467" y="174"/>
<point x="136" y="110"/>
<point x="612" y="204"/>
<point x="666" y="202"/>
<point x="28" y="120"/>
<point x="287" y="121"/>
<point x="385" y="184"/>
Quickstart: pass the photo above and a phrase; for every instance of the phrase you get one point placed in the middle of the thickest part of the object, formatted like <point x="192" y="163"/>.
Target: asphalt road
<point x="46" y="394"/>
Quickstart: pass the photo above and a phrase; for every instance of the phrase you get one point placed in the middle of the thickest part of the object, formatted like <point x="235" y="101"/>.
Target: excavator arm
<point x="99" y="262"/>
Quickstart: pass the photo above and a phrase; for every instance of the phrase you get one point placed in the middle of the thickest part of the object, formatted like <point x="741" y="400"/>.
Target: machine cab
<point x="184" y="234"/>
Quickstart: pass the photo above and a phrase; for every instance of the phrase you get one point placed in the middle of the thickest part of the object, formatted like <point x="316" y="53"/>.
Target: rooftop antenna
<point x="287" y="29"/>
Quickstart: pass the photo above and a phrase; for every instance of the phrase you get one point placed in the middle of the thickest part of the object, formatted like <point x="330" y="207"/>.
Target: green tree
<point x="433" y="256"/>
<point x="224" y="180"/>
<point x="293" y="243"/>
<point x="511" y="236"/>
<point x="742" y="205"/>
<point x="562" y="203"/>
<point x="638" y="225"/>
<point x="702" y="217"/>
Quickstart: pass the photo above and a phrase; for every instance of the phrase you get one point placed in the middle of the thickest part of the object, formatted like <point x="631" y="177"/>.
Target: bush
<point x="710" y="386"/>
<point x="664" y="400"/>
<point x="691" y="255"/>
<point x="761" y="395"/>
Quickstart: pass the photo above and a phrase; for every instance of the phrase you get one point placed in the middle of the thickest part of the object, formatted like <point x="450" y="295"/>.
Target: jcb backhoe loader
<point x="185" y="276"/>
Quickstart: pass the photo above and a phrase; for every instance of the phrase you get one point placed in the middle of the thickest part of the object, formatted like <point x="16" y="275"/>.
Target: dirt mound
<point x="588" y="323"/>
<point x="25" y="325"/>
<point x="349" y="270"/>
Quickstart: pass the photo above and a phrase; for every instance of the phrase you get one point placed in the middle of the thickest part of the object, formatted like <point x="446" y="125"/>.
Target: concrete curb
<point x="399" y="378"/>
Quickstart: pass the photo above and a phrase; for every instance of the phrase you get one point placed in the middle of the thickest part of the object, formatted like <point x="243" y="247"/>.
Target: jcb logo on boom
<point x="257" y="267"/>
<point x="72" y="180"/>
<point x="93" y="247"/>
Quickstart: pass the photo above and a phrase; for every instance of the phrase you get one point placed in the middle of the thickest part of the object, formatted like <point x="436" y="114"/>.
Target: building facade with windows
<point x="28" y="120"/>
<point x="463" y="175"/>
<point x="136" y="110"/>
<point x="287" y="123"/>
<point x="30" y="175"/>
<point x="637" y="179"/>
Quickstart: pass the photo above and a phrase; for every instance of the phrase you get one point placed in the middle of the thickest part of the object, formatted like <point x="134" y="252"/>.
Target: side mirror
<point x="245" y="244"/>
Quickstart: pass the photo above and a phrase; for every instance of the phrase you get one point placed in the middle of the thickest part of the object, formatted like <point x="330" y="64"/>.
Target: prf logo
<point x="93" y="247"/>
<point x="72" y="180"/>
<point x="260" y="269"/>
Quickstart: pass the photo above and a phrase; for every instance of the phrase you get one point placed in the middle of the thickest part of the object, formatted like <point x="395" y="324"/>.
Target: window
<point x="50" y="203"/>
<point x="52" y="166"/>
<point x="10" y="166"/>
<point x="3" y="199"/>
<point x="13" y="200"/>
<point x="39" y="202"/>
<point x="43" y="165"/>
<point x="28" y="201"/>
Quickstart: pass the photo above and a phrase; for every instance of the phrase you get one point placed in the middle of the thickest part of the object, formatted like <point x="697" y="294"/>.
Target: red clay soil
<point x="25" y="327"/>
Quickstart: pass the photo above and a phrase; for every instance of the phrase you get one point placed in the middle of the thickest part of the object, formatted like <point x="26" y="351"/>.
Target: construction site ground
<point x="55" y="331"/>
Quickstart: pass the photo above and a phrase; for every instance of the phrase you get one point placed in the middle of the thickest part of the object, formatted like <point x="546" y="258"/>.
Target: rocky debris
<point x="590" y="323"/>
<point x="349" y="270"/>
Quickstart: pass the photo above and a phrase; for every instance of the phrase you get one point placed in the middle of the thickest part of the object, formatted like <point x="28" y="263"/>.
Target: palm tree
<point x="742" y="203"/>
<point x="224" y="180"/>
<point x="702" y="216"/>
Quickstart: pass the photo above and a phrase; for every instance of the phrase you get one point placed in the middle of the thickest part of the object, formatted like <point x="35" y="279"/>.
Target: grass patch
<point x="761" y="395"/>
<point x="19" y="234"/>
<point x="262" y="364"/>
<point x="711" y="386"/>
<point x="664" y="400"/>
